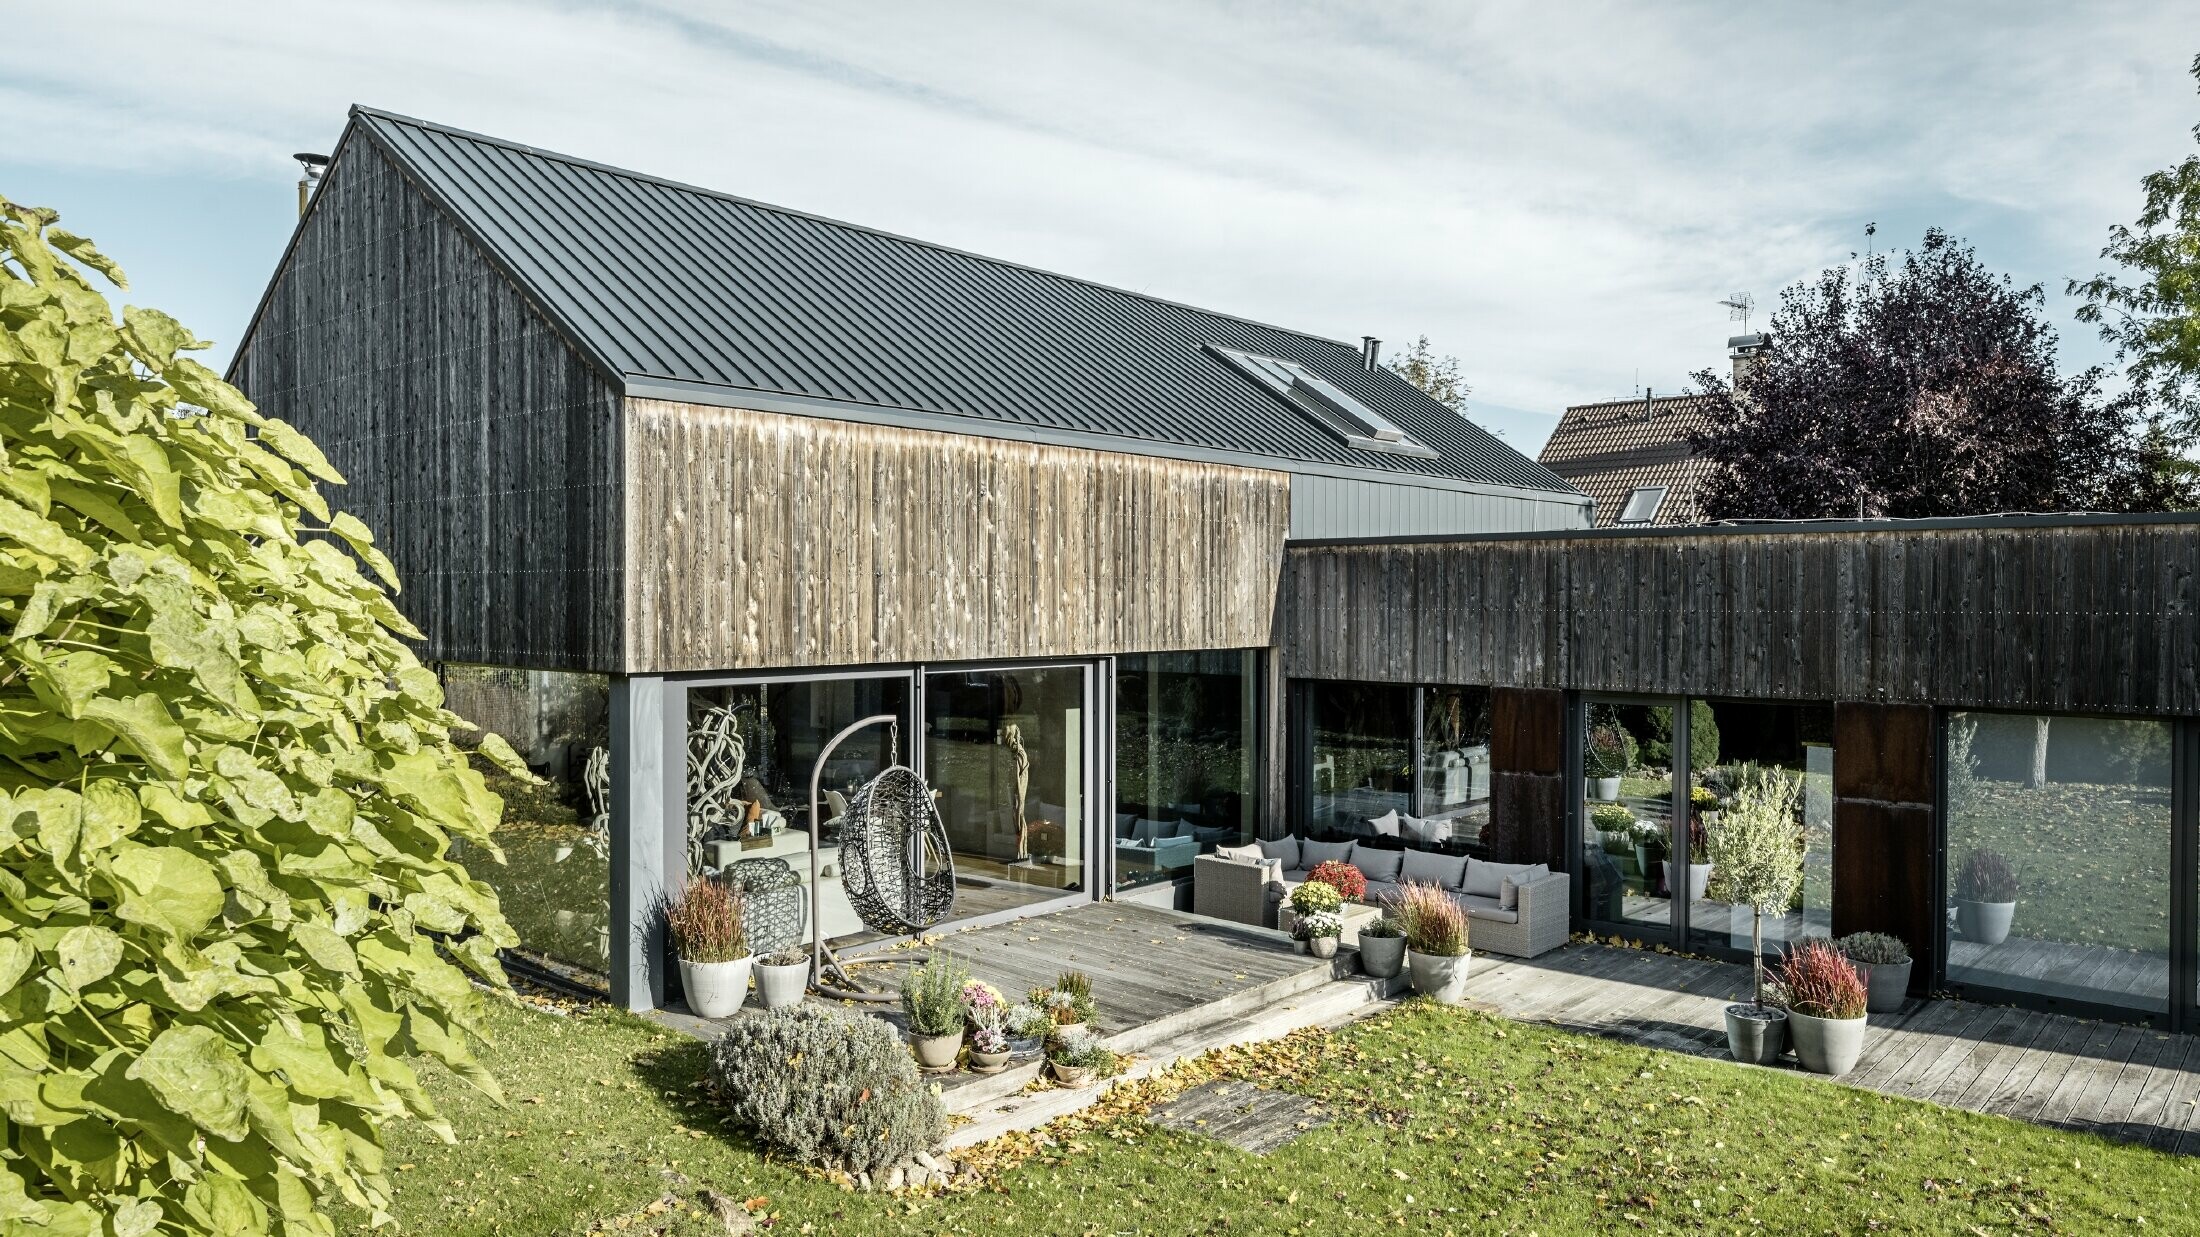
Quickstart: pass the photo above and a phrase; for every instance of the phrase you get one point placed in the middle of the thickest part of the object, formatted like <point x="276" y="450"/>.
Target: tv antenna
<point x="1738" y="308"/>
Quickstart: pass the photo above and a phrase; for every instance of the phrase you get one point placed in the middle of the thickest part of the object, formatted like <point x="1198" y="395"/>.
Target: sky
<point x="1559" y="194"/>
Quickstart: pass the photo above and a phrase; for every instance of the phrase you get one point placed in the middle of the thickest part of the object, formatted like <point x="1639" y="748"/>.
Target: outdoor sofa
<point x="1250" y="884"/>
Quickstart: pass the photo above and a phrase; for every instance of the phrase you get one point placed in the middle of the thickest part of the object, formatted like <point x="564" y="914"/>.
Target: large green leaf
<point x="196" y="1075"/>
<point x="167" y="888"/>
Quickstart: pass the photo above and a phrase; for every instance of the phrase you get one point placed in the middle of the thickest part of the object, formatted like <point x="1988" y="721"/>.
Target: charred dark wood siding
<point x="2091" y="617"/>
<point x="481" y="450"/>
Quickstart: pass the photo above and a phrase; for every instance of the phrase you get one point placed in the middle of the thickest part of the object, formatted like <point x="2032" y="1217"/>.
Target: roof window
<point x="1642" y="505"/>
<point x="1324" y="403"/>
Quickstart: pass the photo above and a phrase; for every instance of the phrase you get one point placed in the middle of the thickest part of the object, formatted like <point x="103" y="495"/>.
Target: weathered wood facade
<point x="481" y="449"/>
<point x="764" y="540"/>
<point x="2083" y="614"/>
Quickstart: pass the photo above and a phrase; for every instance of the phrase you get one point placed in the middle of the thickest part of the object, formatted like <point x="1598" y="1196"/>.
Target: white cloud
<point x="1557" y="194"/>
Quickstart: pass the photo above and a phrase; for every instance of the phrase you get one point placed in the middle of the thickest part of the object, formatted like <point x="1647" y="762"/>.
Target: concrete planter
<point x="1827" y="1045"/>
<point x="1438" y="977"/>
<point x="1984" y="922"/>
<point x="1603" y="789"/>
<point x="1322" y="946"/>
<point x="936" y="1053"/>
<point x="715" y="989"/>
<point x="987" y="1062"/>
<point x="777" y="987"/>
<point x="1886" y="985"/>
<point x="1382" y="956"/>
<point x="1756" y="1036"/>
<point x="1699" y="881"/>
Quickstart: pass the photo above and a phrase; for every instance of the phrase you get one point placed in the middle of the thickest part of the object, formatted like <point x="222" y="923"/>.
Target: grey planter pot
<point x="1437" y="977"/>
<point x="1604" y="789"/>
<point x="1323" y="946"/>
<point x="715" y="989"/>
<point x="1984" y="922"/>
<point x="1827" y="1045"/>
<point x="1382" y="956"/>
<point x="777" y="987"/>
<point x="936" y="1053"/>
<point x="1699" y="881"/>
<point x="1754" y="1040"/>
<point x="1886" y="985"/>
<point x="1027" y="1047"/>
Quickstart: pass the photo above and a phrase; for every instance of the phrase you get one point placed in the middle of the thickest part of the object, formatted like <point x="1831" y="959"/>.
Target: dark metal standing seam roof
<point x="662" y="281"/>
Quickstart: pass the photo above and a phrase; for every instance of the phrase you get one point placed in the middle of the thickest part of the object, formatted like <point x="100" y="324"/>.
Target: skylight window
<point x="1642" y="505"/>
<point x="1324" y="403"/>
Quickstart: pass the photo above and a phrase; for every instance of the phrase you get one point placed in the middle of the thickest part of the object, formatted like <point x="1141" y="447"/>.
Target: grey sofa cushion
<point x="1376" y="865"/>
<point x="1313" y="854"/>
<point x="1487" y="880"/>
<point x="1385" y="825"/>
<point x="1381" y="893"/>
<point x="1508" y="893"/>
<point x="1431" y="868"/>
<point x="1242" y="854"/>
<point x="1478" y="907"/>
<point x="1284" y="850"/>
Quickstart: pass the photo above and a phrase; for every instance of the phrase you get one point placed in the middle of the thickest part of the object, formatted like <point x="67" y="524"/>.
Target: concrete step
<point x="1328" y="1002"/>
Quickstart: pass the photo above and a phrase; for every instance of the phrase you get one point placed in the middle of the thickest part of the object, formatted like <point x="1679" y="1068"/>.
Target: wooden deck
<point x="2124" y="1082"/>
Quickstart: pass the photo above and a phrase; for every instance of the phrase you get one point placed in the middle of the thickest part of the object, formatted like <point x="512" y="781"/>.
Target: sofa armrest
<point x="1553" y="886"/>
<point x="1234" y="889"/>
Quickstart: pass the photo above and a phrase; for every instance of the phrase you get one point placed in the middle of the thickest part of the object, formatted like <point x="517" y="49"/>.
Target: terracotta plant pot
<point x="1754" y="1036"/>
<point x="1439" y="977"/>
<point x="715" y="989"/>
<point x="1382" y="957"/>
<point x="987" y="1062"/>
<point x="1886" y="985"/>
<point x="936" y="1053"/>
<point x="777" y="987"/>
<point x="1827" y="1045"/>
<point x="1984" y="922"/>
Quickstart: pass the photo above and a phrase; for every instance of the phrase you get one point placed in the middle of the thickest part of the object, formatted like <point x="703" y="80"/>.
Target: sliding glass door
<point x="1626" y="797"/>
<point x="1008" y="754"/>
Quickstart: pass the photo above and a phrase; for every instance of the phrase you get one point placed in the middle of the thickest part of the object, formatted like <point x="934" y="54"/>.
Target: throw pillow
<point x="1240" y="854"/>
<point x="1376" y="865"/>
<point x="1285" y="851"/>
<point x="1313" y="854"/>
<point x="1508" y="897"/>
<point x="1487" y="880"/>
<point x="1126" y="824"/>
<point x="1428" y="867"/>
<point x="1385" y="825"/>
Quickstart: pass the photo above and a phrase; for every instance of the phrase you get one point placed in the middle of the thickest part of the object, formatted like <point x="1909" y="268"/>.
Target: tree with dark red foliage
<point x="1921" y="384"/>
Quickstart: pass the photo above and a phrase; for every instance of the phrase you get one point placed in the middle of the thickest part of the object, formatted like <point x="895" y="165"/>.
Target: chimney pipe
<point x="1744" y="351"/>
<point x="310" y="167"/>
<point x="1370" y="349"/>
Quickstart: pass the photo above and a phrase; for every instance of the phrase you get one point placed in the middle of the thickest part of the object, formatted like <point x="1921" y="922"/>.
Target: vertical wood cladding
<point x="1884" y="876"/>
<point x="767" y="540"/>
<point x="480" y="449"/>
<point x="2058" y="618"/>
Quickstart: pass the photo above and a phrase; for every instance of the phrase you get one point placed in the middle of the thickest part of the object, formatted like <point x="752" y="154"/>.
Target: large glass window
<point x="1005" y="753"/>
<point x="555" y="882"/>
<point x="1731" y="744"/>
<point x="1398" y="766"/>
<point x="1627" y="814"/>
<point x="1187" y="748"/>
<point x="2058" y="863"/>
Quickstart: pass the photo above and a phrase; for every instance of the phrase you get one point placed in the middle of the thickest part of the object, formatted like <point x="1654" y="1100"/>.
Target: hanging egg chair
<point x="895" y="865"/>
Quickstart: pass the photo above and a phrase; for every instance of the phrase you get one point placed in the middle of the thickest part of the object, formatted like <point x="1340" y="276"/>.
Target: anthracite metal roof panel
<point x="668" y="283"/>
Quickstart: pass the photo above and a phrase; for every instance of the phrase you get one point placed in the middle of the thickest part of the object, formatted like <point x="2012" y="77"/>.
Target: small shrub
<point x="1313" y="895"/>
<point x="1612" y="818"/>
<point x="827" y="1088"/>
<point x="1080" y="1047"/>
<point x="1820" y="982"/>
<point x="1986" y="876"/>
<point x="1347" y="880"/>
<point x="979" y="995"/>
<point x="1703" y="798"/>
<point x="1027" y="1021"/>
<point x="933" y="997"/>
<point x="1074" y="983"/>
<point x="1433" y="923"/>
<point x="1387" y="928"/>
<point x="1321" y="925"/>
<point x="989" y="1028"/>
<point x="1068" y="1002"/>
<point x="705" y="922"/>
<point x="1756" y="855"/>
<point x="1873" y="949"/>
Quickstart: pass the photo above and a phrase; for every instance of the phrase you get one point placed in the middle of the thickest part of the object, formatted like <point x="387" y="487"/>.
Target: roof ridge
<point x="1656" y="401"/>
<point x="361" y="109"/>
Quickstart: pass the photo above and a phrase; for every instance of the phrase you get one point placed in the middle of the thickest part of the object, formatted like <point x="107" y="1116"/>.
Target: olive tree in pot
<point x="1986" y="897"/>
<point x="1436" y="941"/>
<point x="1884" y="963"/>
<point x="1383" y="948"/>
<point x="1826" y="1007"/>
<point x="704" y="923"/>
<point x="1756" y="857"/>
<point x="934" y="1003"/>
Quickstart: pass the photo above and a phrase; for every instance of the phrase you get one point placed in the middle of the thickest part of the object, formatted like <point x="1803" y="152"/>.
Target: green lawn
<point x="554" y="890"/>
<point x="2093" y="861"/>
<point x="1451" y="1121"/>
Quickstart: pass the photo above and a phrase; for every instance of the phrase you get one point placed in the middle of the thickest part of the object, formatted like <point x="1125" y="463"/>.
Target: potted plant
<point x="1349" y="882"/>
<point x="979" y="996"/>
<point x="1027" y="1026"/>
<point x="1312" y="898"/>
<point x="704" y="923"/>
<point x="1609" y="752"/>
<point x="933" y="1001"/>
<point x="782" y="978"/>
<point x="1322" y="928"/>
<point x="1650" y="847"/>
<point x="1383" y="947"/>
<point x="1075" y="1053"/>
<point x="1756" y="857"/>
<point x="989" y="1050"/>
<point x="1826" y="1006"/>
<point x="1069" y="1002"/>
<point x="1699" y="850"/>
<point x="1884" y="962"/>
<point x="1986" y="897"/>
<point x="1436" y="941"/>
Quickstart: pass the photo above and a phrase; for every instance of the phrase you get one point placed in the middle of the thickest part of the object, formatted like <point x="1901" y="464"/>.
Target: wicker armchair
<point x="1545" y="907"/>
<point x="1235" y="889"/>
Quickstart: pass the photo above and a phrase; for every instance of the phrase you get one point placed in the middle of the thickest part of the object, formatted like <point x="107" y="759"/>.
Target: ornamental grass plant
<point x="1986" y="876"/>
<point x="705" y="922"/>
<point x="1433" y="923"/>
<point x="1821" y="983"/>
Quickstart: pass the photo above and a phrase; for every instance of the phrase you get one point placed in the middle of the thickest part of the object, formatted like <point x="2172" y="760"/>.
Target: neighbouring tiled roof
<point x="664" y="283"/>
<point x="1609" y="450"/>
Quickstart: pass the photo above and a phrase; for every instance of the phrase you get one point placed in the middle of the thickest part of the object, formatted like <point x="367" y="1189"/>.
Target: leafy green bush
<point x="1612" y="818"/>
<point x="827" y="1088"/>
<point x="1873" y="949"/>
<point x="1703" y="737"/>
<point x="228" y="797"/>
